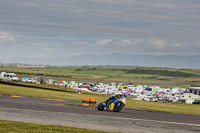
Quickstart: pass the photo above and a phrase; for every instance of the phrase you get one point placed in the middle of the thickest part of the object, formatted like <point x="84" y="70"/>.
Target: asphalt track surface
<point x="59" y="112"/>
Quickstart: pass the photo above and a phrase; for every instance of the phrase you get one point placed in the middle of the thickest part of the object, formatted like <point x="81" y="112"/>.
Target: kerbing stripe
<point x="15" y="96"/>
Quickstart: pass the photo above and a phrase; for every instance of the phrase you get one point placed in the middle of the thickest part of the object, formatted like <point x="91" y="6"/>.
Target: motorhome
<point x="9" y="76"/>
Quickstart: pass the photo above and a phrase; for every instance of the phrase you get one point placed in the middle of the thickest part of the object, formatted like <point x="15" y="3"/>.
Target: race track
<point x="56" y="112"/>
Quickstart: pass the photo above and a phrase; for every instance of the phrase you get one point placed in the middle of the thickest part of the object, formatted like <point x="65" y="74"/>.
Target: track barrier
<point x="88" y="101"/>
<point x="92" y="102"/>
<point x="85" y="101"/>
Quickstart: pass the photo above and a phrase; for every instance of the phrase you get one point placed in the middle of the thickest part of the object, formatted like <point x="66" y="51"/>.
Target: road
<point x="56" y="112"/>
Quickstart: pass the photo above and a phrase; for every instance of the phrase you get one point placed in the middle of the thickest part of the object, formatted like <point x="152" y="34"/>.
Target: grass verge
<point x="165" y="107"/>
<point x="21" y="127"/>
<point x="10" y="90"/>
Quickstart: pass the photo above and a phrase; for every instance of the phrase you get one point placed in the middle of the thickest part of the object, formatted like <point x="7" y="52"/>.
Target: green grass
<point x="104" y="72"/>
<point x="110" y="74"/>
<point x="21" y="127"/>
<point x="165" y="107"/>
<point x="10" y="90"/>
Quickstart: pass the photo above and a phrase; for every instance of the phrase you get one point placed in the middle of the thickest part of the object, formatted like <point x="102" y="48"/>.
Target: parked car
<point x="29" y="80"/>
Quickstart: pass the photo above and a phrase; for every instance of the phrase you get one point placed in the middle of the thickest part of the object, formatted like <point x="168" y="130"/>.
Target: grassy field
<point x="165" y="107"/>
<point x="10" y="90"/>
<point x="20" y="127"/>
<point x="153" y="76"/>
<point x="181" y="77"/>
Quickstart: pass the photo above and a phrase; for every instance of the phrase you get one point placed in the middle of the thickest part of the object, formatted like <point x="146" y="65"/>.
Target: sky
<point x="64" y="28"/>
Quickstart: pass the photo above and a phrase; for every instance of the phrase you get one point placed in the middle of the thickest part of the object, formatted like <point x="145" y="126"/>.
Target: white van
<point x="9" y="76"/>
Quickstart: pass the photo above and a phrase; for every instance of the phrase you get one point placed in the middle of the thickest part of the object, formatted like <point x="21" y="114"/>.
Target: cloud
<point x="100" y="26"/>
<point x="156" y="43"/>
<point x="48" y="49"/>
<point x="196" y="45"/>
<point x="27" y="4"/>
<point x="114" y="43"/>
<point x="80" y="43"/>
<point x="105" y="1"/>
<point x="160" y="44"/>
<point x="103" y="43"/>
<point x="6" y="36"/>
<point x="125" y="43"/>
<point x="164" y="5"/>
<point x="176" y="45"/>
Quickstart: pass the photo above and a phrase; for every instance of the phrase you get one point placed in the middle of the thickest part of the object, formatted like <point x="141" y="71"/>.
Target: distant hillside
<point x="136" y="60"/>
<point x="119" y="59"/>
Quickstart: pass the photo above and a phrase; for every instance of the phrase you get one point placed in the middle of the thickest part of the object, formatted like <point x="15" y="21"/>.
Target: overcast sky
<point x="63" y="28"/>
